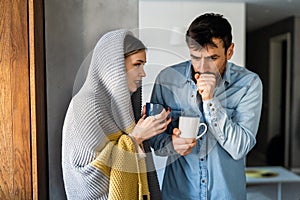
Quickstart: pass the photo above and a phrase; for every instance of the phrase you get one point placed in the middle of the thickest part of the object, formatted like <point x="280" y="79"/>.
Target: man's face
<point x="210" y="58"/>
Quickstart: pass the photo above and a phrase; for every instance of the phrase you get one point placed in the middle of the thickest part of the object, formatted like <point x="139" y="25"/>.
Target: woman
<point x="102" y="156"/>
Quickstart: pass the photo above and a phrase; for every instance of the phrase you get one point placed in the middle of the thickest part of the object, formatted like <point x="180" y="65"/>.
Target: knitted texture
<point x="99" y="159"/>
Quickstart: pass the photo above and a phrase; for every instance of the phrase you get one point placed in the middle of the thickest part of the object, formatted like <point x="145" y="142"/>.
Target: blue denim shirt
<point x="232" y="117"/>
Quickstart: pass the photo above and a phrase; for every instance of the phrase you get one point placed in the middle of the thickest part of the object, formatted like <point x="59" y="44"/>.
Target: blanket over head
<point x="99" y="159"/>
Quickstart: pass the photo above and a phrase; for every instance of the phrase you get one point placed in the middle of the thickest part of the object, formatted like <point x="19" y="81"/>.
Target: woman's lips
<point x="138" y="83"/>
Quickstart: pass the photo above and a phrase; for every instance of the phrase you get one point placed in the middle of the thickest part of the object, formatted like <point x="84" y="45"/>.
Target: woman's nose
<point x="142" y="72"/>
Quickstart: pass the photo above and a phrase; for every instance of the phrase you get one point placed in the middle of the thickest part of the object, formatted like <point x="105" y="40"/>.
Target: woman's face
<point x="135" y="69"/>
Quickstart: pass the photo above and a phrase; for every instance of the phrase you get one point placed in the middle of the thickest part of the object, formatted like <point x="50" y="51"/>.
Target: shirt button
<point x="212" y="109"/>
<point x="202" y="159"/>
<point x="203" y="181"/>
<point x="192" y="96"/>
<point x="200" y="138"/>
<point x="215" y="124"/>
<point x="210" y="104"/>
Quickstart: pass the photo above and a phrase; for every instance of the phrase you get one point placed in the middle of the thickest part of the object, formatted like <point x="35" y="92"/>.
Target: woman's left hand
<point x="148" y="127"/>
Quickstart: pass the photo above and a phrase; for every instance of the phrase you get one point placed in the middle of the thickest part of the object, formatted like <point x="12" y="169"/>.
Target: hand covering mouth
<point x="205" y="73"/>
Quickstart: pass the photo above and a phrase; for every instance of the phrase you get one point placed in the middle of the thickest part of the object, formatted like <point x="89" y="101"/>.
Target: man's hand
<point x="206" y="84"/>
<point x="182" y="146"/>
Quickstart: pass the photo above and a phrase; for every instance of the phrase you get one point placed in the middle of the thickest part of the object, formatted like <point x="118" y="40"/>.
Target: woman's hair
<point x="132" y="45"/>
<point x="206" y="27"/>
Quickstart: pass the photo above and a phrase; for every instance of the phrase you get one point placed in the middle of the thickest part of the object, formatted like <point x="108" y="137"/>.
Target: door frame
<point x="275" y="83"/>
<point x="39" y="155"/>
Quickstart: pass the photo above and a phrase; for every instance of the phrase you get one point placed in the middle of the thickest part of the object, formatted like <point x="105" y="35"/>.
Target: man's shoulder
<point x="179" y="67"/>
<point x="174" y="73"/>
<point x="242" y="71"/>
<point x="242" y="74"/>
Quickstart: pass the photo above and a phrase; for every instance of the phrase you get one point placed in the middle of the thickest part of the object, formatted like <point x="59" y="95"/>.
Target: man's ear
<point x="230" y="51"/>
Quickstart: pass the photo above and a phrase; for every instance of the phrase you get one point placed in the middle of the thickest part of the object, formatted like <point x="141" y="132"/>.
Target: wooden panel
<point x="15" y="167"/>
<point x="6" y="153"/>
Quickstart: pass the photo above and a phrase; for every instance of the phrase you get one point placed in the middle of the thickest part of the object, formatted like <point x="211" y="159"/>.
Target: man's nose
<point x="201" y="66"/>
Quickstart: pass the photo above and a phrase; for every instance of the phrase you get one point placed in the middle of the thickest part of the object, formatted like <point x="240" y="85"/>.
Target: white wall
<point x="160" y="21"/>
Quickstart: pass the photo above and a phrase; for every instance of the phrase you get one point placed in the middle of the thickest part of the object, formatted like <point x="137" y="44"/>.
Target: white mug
<point x="189" y="127"/>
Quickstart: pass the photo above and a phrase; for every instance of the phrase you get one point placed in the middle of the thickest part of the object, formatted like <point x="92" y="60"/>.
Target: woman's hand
<point x="182" y="146"/>
<point x="148" y="127"/>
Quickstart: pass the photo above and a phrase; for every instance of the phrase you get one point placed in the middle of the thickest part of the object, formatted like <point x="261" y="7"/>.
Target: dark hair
<point x="208" y="26"/>
<point x="132" y="45"/>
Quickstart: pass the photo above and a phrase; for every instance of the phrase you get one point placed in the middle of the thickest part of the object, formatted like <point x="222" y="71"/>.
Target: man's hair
<point x="206" y="27"/>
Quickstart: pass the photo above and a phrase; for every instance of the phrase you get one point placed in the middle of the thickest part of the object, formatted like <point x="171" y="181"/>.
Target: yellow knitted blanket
<point x="127" y="173"/>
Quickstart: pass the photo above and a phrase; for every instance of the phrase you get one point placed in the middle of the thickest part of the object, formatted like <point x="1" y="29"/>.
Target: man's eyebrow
<point x="214" y="55"/>
<point x="194" y="56"/>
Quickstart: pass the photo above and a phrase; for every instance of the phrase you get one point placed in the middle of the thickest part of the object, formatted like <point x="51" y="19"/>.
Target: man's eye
<point x="137" y="65"/>
<point x="212" y="58"/>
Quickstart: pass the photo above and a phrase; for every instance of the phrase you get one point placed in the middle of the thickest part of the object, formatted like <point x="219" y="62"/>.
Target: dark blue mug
<point x="153" y="109"/>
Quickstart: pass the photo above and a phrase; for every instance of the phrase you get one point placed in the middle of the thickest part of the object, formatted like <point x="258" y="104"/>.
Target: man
<point x="227" y="97"/>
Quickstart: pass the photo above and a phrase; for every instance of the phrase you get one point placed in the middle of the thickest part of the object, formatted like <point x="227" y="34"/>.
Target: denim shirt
<point x="232" y="117"/>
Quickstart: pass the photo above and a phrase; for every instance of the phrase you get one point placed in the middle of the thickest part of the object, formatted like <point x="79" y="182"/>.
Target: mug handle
<point x="205" y="129"/>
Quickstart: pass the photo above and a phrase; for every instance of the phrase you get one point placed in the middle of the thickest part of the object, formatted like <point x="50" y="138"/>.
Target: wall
<point x="71" y="30"/>
<point x="162" y="27"/>
<point x="295" y="115"/>
<point x="258" y="60"/>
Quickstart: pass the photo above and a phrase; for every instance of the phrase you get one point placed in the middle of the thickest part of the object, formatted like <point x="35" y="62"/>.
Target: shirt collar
<point x="227" y="73"/>
<point x="188" y="71"/>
